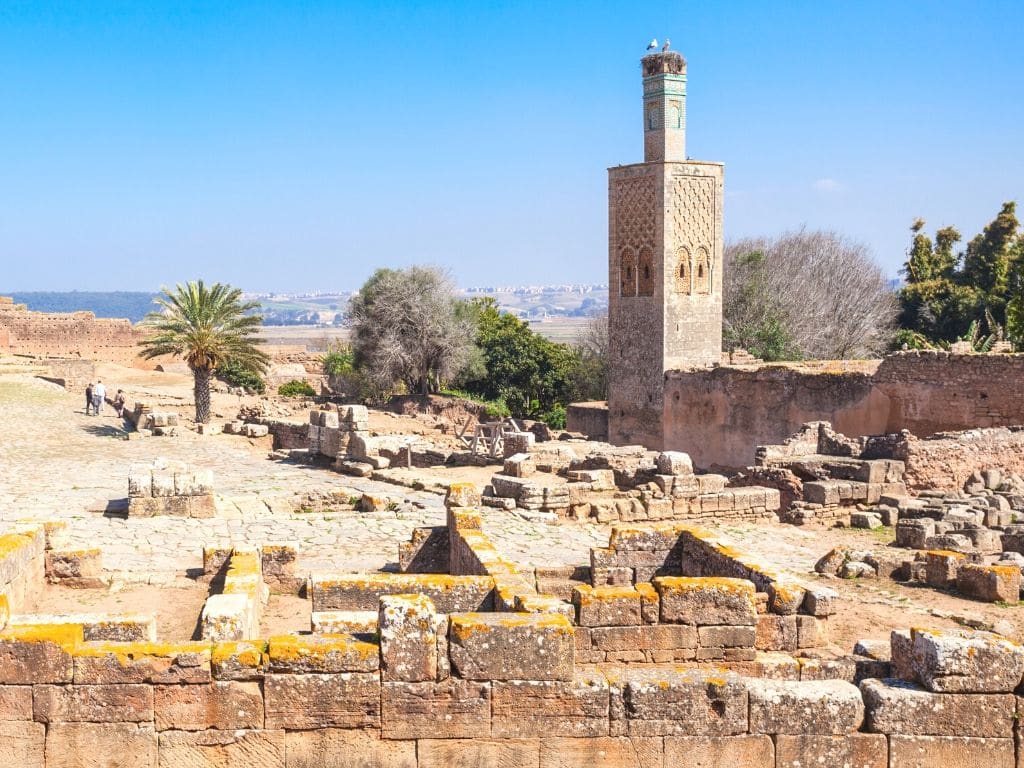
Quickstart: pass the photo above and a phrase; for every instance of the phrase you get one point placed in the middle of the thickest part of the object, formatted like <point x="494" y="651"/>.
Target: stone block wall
<point x="488" y="689"/>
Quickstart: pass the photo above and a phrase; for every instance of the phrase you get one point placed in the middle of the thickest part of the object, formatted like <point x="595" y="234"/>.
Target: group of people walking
<point x="96" y="395"/>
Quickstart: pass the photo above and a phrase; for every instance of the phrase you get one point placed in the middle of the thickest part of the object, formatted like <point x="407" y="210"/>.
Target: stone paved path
<point x="56" y="462"/>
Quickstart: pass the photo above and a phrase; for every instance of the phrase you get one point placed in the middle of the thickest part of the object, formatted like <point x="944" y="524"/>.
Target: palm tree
<point x="205" y="326"/>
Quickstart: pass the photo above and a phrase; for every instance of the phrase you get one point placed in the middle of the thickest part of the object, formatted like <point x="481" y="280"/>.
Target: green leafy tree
<point x="206" y="326"/>
<point x="526" y="371"/>
<point x="988" y="256"/>
<point x="956" y="297"/>
<point x="1015" y="303"/>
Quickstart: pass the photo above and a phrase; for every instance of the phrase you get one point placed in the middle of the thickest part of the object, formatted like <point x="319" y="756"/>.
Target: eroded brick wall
<point x="67" y="335"/>
<point x="719" y="415"/>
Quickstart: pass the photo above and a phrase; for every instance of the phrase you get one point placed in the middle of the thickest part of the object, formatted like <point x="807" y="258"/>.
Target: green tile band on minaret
<point x="664" y="107"/>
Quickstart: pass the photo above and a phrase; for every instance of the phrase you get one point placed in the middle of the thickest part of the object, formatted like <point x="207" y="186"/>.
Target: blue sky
<point x="299" y="145"/>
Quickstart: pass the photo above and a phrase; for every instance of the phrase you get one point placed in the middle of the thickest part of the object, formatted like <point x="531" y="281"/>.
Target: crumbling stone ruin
<point x="672" y="646"/>
<point x="170" y="488"/>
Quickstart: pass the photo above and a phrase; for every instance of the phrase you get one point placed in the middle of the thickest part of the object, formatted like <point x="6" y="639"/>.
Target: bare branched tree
<point x="590" y="379"/>
<point x="408" y="327"/>
<point x="806" y="294"/>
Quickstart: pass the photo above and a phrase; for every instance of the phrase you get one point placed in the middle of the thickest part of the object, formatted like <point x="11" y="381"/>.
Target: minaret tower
<point x="664" y="260"/>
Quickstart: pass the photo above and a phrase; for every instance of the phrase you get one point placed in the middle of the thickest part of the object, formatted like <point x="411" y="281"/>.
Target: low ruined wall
<point x="590" y="419"/>
<point x="67" y="335"/>
<point x="945" y="462"/>
<point x="718" y="415"/>
<point x="287" y="434"/>
<point x="72" y="374"/>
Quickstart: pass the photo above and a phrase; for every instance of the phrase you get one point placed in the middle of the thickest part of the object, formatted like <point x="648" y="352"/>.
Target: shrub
<point x="338" y="360"/>
<point x="237" y="374"/>
<point x="296" y="388"/>
<point x="495" y="409"/>
<point x="554" y="417"/>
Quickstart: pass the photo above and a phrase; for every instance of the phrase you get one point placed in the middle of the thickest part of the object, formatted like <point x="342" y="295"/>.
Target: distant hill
<point x="131" y="304"/>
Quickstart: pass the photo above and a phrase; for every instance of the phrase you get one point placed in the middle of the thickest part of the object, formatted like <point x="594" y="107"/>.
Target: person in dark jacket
<point x="88" y="398"/>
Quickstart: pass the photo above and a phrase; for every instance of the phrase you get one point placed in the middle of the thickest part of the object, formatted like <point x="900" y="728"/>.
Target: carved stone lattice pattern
<point x="693" y="217"/>
<point x="635" y="213"/>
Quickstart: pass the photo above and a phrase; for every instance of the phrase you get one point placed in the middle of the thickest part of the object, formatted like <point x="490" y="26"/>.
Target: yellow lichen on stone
<point x="64" y="635"/>
<point x="245" y="653"/>
<point x="134" y="651"/>
<point x="293" y="648"/>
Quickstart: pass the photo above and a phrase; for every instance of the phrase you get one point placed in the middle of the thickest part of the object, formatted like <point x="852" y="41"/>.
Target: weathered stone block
<point x="776" y="633"/>
<point x="727" y="636"/>
<point x="104" y="663"/>
<point x="354" y="592"/>
<point x="511" y="646"/>
<point x="22" y="744"/>
<point x="578" y="708"/>
<point x="991" y="583"/>
<point x="898" y="706"/>
<point x="477" y="753"/>
<point x="222" y="705"/>
<point x="811" y="632"/>
<point x="228" y="617"/>
<point x="901" y="654"/>
<point x="680" y="703"/>
<point x="451" y="709"/>
<point x="100" y="745"/>
<point x="128" y="703"/>
<point x="244" y="660"/>
<point x="820" y="601"/>
<point x="346" y="700"/>
<point x="719" y="752"/>
<point x="606" y="606"/>
<point x="827" y="707"/>
<point x="706" y="600"/>
<point x="661" y="637"/>
<point x="221" y="749"/>
<point x="960" y="661"/>
<point x="15" y="702"/>
<point x="674" y="463"/>
<point x="942" y="567"/>
<point x="855" y="750"/>
<point x="950" y="752"/>
<point x="408" y="640"/>
<point x="343" y="748"/>
<point x="32" y="660"/>
<point x="321" y="654"/>
<point x="519" y="465"/>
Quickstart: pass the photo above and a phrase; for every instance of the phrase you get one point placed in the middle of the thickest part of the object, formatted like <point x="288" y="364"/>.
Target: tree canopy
<point x="953" y="296"/>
